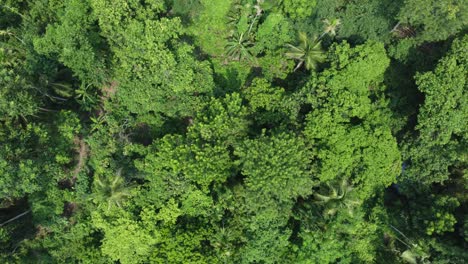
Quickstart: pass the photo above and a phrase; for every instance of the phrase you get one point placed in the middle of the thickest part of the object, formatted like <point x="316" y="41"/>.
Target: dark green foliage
<point x="233" y="131"/>
<point x="434" y="20"/>
<point x="360" y="20"/>
<point x="75" y="40"/>
<point x="18" y="95"/>
<point x="442" y="119"/>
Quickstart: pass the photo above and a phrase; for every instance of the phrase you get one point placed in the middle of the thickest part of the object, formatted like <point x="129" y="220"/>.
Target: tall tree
<point x="442" y="139"/>
<point x="348" y="127"/>
<point x="434" y="20"/>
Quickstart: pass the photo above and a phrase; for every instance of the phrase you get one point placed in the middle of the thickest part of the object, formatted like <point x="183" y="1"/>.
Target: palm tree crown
<point x="337" y="198"/>
<point x="237" y="47"/>
<point x="113" y="190"/>
<point x="309" y="52"/>
<point x="331" y="26"/>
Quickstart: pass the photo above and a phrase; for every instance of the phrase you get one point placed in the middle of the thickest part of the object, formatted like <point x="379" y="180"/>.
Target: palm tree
<point x="86" y="96"/>
<point x="331" y="26"/>
<point x="234" y="14"/>
<point x="414" y="253"/>
<point x="113" y="190"/>
<point x="237" y="47"/>
<point x="65" y="90"/>
<point x="7" y="32"/>
<point x="338" y="197"/>
<point x="309" y="52"/>
<point x="222" y="243"/>
<point x="258" y="13"/>
<point x="16" y="217"/>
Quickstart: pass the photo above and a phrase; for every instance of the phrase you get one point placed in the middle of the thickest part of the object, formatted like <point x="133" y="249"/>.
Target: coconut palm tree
<point x="112" y="190"/>
<point x="337" y="198"/>
<point x="331" y="26"/>
<point x="413" y="252"/>
<point x="309" y="52"/>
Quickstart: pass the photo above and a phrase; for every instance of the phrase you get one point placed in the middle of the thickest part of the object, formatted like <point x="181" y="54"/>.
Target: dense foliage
<point x="233" y="131"/>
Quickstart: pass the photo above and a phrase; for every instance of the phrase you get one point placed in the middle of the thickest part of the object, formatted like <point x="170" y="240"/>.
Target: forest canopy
<point x="233" y="131"/>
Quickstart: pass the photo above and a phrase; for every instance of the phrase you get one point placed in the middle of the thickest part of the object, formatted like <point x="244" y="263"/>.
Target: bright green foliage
<point x="262" y="95"/>
<point x="34" y="159"/>
<point x="125" y="240"/>
<point x="210" y="24"/>
<point x="113" y="16"/>
<point x="190" y="8"/>
<point x="201" y="159"/>
<point x="449" y="81"/>
<point x="189" y="162"/>
<point x="347" y="128"/>
<point x="27" y="157"/>
<point x="256" y="232"/>
<point x="186" y="131"/>
<point x="298" y="9"/>
<point x="271" y="105"/>
<point x="222" y="121"/>
<point x="152" y="80"/>
<point x="425" y="23"/>
<point x="267" y="171"/>
<point x="276" y="167"/>
<point x="370" y="19"/>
